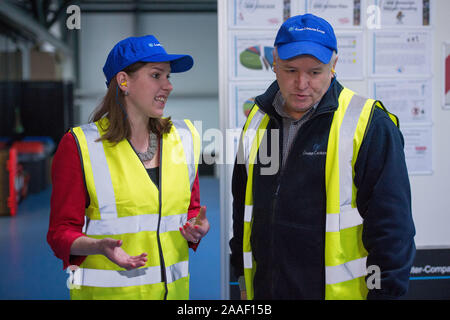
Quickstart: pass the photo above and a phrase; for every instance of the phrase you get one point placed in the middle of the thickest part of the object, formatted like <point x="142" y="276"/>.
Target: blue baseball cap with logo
<point x="142" y="49"/>
<point x="306" y="35"/>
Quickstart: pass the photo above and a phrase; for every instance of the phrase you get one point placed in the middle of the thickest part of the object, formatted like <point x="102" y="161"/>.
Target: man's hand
<point x="111" y="249"/>
<point x="196" y="228"/>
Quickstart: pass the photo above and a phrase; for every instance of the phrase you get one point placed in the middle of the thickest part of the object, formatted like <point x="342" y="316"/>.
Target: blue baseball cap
<point x="306" y="34"/>
<point x="145" y="49"/>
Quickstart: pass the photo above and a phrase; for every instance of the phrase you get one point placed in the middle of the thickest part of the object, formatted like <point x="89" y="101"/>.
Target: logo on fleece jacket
<point x="315" y="151"/>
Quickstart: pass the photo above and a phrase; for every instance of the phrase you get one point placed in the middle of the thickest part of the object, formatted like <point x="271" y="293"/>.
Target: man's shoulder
<point x="381" y="117"/>
<point x="382" y="128"/>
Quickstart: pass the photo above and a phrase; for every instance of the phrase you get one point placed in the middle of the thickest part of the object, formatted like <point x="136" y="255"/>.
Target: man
<point x="334" y="221"/>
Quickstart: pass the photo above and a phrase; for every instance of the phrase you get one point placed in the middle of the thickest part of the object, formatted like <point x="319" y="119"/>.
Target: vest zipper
<point x="161" y="256"/>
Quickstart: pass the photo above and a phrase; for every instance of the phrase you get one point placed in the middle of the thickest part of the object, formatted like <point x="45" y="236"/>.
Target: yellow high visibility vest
<point x="126" y="205"/>
<point x="345" y="255"/>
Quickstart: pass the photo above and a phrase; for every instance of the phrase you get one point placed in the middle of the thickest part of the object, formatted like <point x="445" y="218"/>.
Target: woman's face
<point x="148" y="89"/>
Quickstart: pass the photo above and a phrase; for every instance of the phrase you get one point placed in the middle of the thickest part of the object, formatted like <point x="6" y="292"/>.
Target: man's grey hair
<point x="330" y="64"/>
<point x="333" y="59"/>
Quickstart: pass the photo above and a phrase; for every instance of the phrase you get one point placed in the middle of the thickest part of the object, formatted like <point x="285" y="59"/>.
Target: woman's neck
<point x="139" y="135"/>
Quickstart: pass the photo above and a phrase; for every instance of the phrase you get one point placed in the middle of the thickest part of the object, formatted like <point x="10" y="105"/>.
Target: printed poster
<point x="404" y="13"/>
<point x="258" y="13"/>
<point x="418" y="149"/>
<point x="339" y="13"/>
<point x="401" y="53"/>
<point x="242" y="99"/>
<point x="251" y="55"/>
<point x="446" y="70"/>
<point x="350" y="64"/>
<point x="410" y="100"/>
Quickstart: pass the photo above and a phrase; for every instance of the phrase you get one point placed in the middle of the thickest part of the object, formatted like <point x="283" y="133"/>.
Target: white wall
<point x="195" y="92"/>
<point x="188" y="33"/>
<point x="431" y="193"/>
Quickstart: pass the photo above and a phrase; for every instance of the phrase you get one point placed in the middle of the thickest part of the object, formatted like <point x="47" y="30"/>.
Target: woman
<point x="129" y="178"/>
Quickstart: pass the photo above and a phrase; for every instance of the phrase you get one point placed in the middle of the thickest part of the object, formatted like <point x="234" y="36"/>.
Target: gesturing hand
<point x="196" y="228"/>
<point x="111" y="248"/>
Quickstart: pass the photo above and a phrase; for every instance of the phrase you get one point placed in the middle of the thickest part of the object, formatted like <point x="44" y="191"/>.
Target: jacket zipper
<point x="275" y="197"/>
<point x="161" y="256"/>
<point x="274" y="205"/>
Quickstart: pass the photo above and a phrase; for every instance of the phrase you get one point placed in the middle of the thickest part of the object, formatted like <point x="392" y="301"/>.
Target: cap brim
<point x="294" y="49"/>
<point x="178" y="62"/>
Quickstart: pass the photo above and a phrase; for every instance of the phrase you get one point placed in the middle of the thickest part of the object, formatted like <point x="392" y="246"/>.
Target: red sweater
<point x="69" y="198"/>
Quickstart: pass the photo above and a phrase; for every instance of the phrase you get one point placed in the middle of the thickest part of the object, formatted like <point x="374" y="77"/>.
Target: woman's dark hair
<point x="118" y="129"/>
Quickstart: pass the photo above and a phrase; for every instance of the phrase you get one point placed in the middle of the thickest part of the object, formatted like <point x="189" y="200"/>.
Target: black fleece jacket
<point x="289" y="210"/>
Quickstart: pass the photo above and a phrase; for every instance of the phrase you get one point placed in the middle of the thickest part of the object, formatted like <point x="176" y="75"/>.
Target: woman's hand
<point x="196" y="228"/>
<point x="111" y="249"/>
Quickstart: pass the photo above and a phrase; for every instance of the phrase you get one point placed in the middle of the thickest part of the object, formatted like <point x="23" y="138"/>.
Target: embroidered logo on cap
<point x="306" y="28"/>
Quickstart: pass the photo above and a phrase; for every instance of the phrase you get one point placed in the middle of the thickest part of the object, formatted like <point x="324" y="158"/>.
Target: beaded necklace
<point x="151" y="150"/>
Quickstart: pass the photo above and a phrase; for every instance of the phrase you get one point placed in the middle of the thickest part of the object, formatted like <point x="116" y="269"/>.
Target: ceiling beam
<point x="144" y="6"/>
<point x="18" y="20"/>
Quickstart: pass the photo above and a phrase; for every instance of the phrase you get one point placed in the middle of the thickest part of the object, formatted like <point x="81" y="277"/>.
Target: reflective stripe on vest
<point x="345" y="255"/>
<point x="188" y="134"/>
<point x="100" y="171"/>
<point x="252" y="135"/>
<point x="134" y="224"/>
<point x="125" y="205"/>
<point x="125" y="278"/>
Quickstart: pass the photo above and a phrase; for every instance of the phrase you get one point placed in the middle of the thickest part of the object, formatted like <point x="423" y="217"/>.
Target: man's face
<point x="303" y="81"/>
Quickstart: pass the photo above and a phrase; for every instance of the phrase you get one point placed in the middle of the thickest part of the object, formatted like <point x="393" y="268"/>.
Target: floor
<point x="30" y="271"/>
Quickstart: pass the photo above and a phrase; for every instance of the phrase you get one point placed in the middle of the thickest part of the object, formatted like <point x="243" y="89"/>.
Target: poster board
<point x="445" y="92"/>
<point x="364" y="28"/>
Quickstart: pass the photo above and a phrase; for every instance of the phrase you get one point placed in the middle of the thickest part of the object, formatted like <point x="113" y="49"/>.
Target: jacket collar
<point x="329" y="102"/>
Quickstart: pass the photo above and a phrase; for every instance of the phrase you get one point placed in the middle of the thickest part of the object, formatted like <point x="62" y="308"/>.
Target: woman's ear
<point x="122" y="80"/>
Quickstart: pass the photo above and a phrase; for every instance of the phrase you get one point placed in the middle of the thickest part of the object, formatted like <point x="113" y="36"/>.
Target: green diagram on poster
<point x="251" y="54"/>
<point x="247" y="106"/>
<point x="252" y="58"/>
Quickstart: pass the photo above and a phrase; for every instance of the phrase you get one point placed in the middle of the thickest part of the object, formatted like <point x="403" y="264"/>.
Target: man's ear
<point x="333" y="68"/>
<point x="275" y="58"/>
